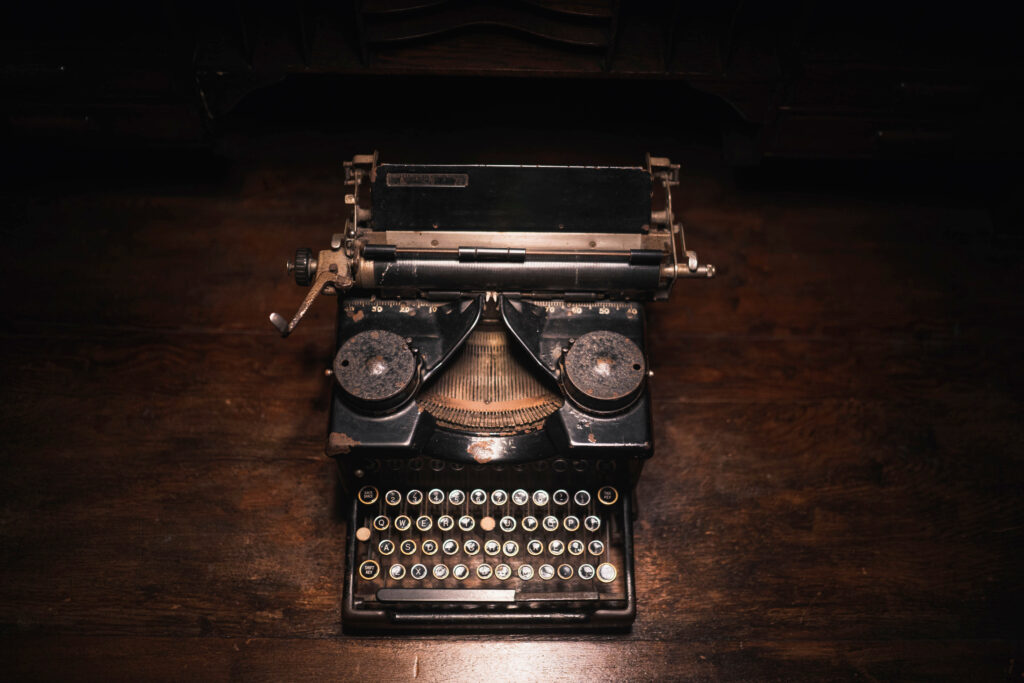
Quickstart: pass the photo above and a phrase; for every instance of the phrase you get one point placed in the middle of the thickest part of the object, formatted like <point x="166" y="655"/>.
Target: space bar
<point x="445" y="595"/>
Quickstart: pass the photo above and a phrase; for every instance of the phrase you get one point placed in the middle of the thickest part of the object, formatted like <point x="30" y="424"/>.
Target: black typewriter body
<point x="490" y="414"/>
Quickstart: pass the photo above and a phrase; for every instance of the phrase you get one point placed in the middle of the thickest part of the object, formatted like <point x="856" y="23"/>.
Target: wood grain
<point x="836" y="492"/>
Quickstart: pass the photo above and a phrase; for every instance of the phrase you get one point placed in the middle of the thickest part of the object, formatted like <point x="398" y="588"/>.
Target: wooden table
<point x="836" y="491"/>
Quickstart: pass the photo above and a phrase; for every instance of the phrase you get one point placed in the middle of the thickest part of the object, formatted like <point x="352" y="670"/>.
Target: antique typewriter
<point x="490" y="412"/>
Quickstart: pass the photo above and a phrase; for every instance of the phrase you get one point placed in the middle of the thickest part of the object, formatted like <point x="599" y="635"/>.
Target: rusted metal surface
<point x="338" y="443"/>
<point x="604" y="370"/>
<point x="376" y="367"/>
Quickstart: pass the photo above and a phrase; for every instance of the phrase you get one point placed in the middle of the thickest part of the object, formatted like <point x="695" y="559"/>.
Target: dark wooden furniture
<point x="836" y="492"/>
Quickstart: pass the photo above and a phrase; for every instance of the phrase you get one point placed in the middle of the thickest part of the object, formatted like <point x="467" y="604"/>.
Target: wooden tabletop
<point x="836" y="491"/>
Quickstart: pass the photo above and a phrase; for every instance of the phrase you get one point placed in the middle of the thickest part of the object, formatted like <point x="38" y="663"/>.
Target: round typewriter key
<point x="445" y="523"/>
<point x="546" y="572"/>
<point x="429" y="547"/>
<point x="582" y="498"/>
<point x="472" y="547"/>
<point x="564" y="572"/>
<point x="456" y="497"/>
<point x="478" y="497"/>
<point x="529" y="523"/>
<point x="498" y="497"/>
<point x="520" y="497"/>
<point x="408" y="547"/>
<point x="484" y="571"/>
<point x="423" y="523"/>
<point x="607" y="495"/>
<point x="592" y="523"/>
<point x="363" y="534"/>
<point x="507" y="524"/>
<point x="440" y="572"/>
<point x="369" y="569"/>
<point x="418" y="572"/>
<point x="575" y="547"/>
<point x="586" y="572"/>
<point x="492" y="547"/>
<point x="402" y="522"/>
<point x="534" y="547"/>
<point x="367" y="495"/>
<point x="502" y="572"/>
<point x="450" y="546"/>
<point x="511" y="548"/>
<point x="436" y="496"/>
<point x="560" y="497"/>
<point x="393" y="498"/>
<point x="525" y="572"/>
<point x="556" y="547"/>
<point x="606" y="573"/>
<point x="381" y="522"/>
<point x="487" y="523"/>
<point x="466" y="523"/>
<point x="540" y="498"/>
<point x="550" y="523"/>
<point x="596" y="547"/>
<point x="414" y="497"/>
<point x="571" y="523"/>
<point x="397" y="572"/>
<point x="386" y="547"/>
<point x="460" y="571"/>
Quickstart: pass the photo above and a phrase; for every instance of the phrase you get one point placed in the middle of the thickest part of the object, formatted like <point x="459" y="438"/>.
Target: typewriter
<point x="490" y="413"/>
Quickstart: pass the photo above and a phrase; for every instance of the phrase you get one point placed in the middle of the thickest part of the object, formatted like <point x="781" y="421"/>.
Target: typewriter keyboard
<point x="455" y="544"/>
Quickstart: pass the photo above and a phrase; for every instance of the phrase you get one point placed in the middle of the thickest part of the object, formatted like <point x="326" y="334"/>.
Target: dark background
<point x="837" y="487"/>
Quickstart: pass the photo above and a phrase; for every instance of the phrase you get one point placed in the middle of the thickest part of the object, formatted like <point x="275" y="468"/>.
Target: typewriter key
<point x="478" y="497"/>
<point x="393" y="498"/>
<point x="418" y="572"/>
<point x="408" y="546"/>
<point x="492" y="547"/>
<point x="592" y="523"/>
<point x="507" y="524"/>
<point x="423" y="523"/>
<point x="402" y="522"/>
<point x="363" y="534"/>
<point x="550" y="523"/>
<point x="571" y="523"/>
<point x="606" y="573"/>
<point x="520" y="497"/>
<point x="386" y="547"/>
<point x="575" y="547"/>
<point x="596" y="547"/>
<point x="466" y="523"/>
<point x="429" y="547"/>
<point x="484" y="571"/>
<point x="445" y="522"/>
<point x="440" y="572"/>
<point x="460" y="571"/>
<point x="561" y="497"/>
<point x="582" y="498"/>
<point x="586" y="572"/>
<point x="540" y="498"/>
<point x="607" y="495"/>
<point x="456" y="497"/>
<point x="414" y="497"/>
<point x="498" y="497"/>
<point x="381" y="522"/>
<point x="525" y="572"/>
<point x="511" y="548"/>
<point x="502" y="572"/>
<point x="368" y="570"/>
<point x="546" y="572"/>
<point x="436" y="496"/>
<point x="556" y="547"/>
<point x="450" y="546"/>
<point x="529" y="523"/>
<point x="472" y="547"/>
<point x="534" y="547"/>
<point x="564" y="572"/>
<point x="487" y="523"/>
<point x="397" y="572"/>
<point x="368" y="495"/>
